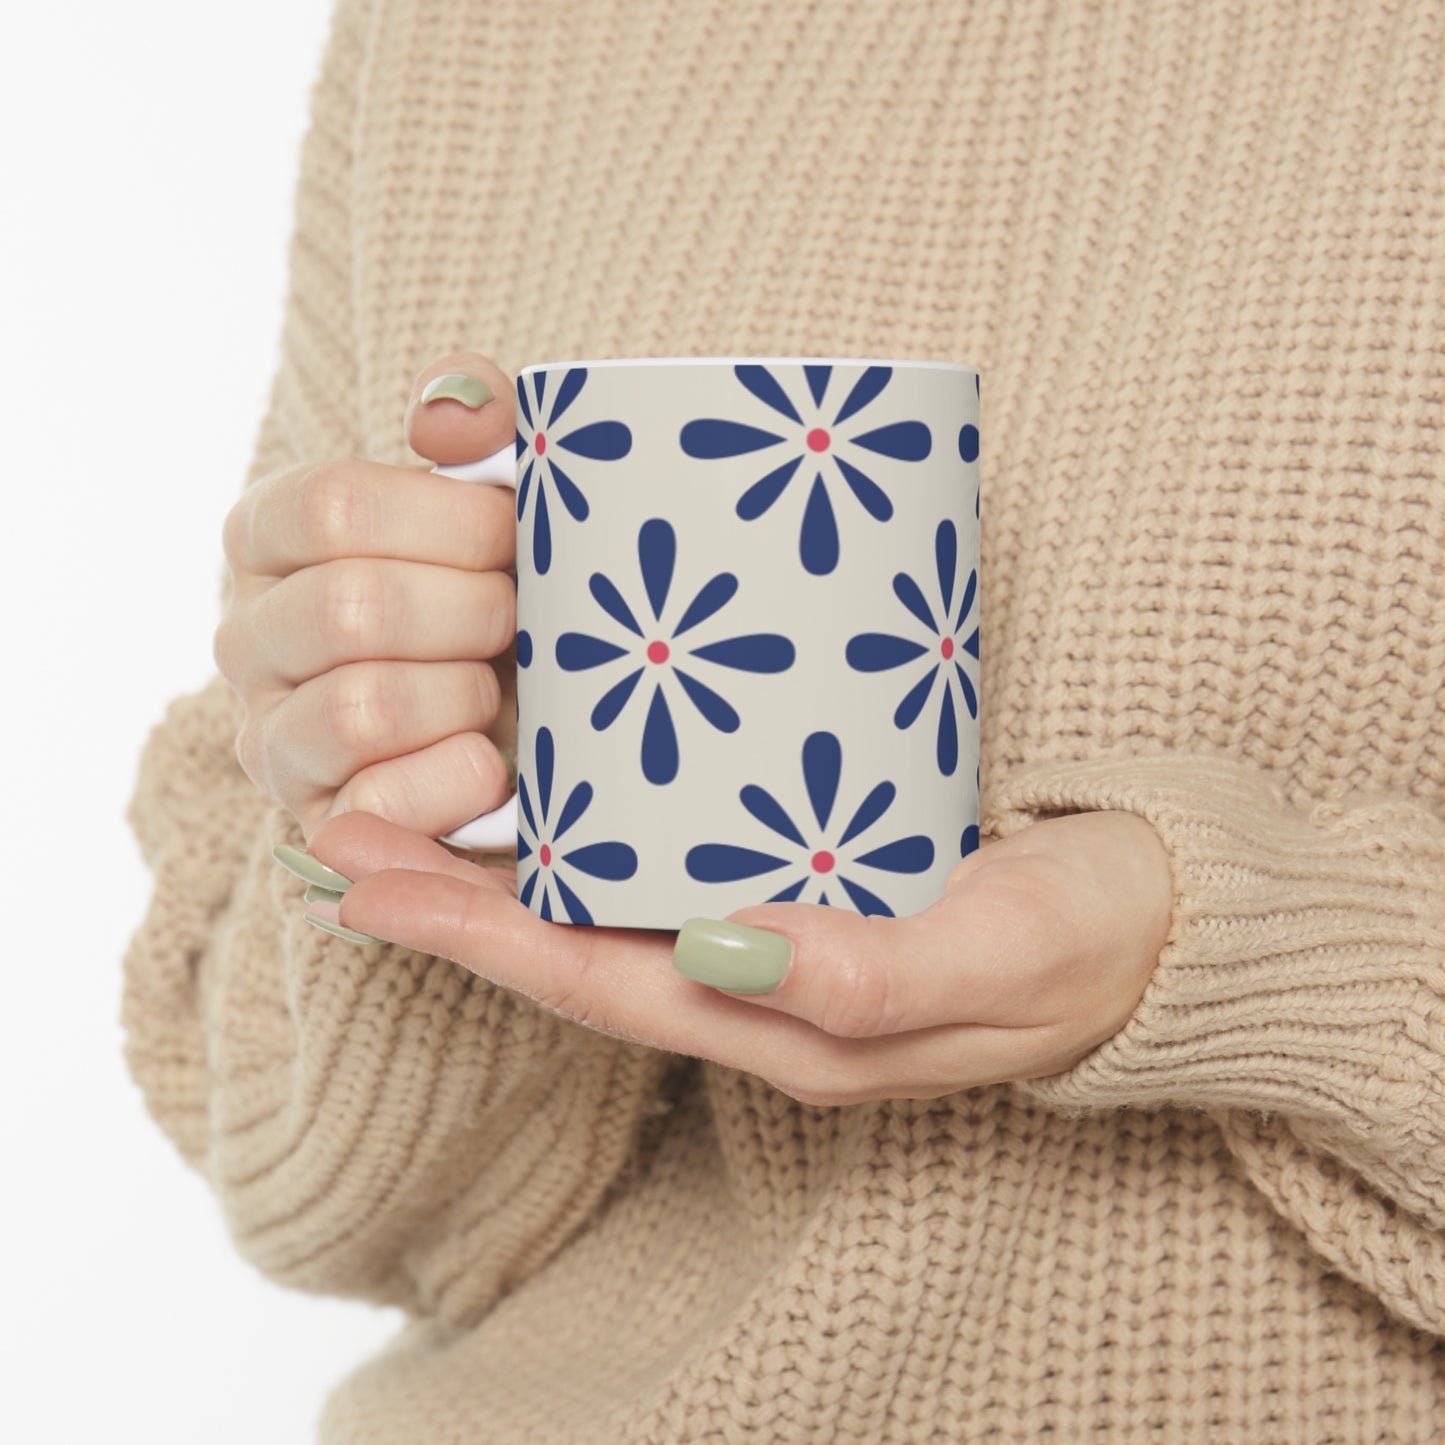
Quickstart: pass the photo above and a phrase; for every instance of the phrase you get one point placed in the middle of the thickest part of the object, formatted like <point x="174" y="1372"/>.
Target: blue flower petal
<point x="822" y="763"/>
<point x="818" y="543"/>
<point x="576" y="909"/>
<point x="524" y="848"/>
<point x="764" y="385"/>
<point x="546" y="758"/>
<point x="905" y="855"/>
<point x="770" y="813"/>
<point x="907" y="591"/>
<point x="659" y="741"/>
<point x="878" y="651"/>
<point x="578" y="801"/>
<point x="869" y="811"/>
<point x="567" y="393"/>
<point x="524" y="648"/>
<point x="712" y="437"/>
<point x="757" y="652"/>
<point x="529" y="887"/>
<point x="913" y="700"/>
<point x="599" y="441"/>
<point x="864" y="390"/>
<point x="609" y="599"/>
<point x="613" y="861"/>
<point x="714" y="594"/>
<point x="874" y="499"/>
<point x="869" y="904"/>
<point x="546" y="904"/>
<point x="968" y="443"/>
<point x="522" y="401"/>
<point x="904" y="441"/>
<point x="539" y="385"/>
<point x="541" y="533"/>
<point x="788" y="894"/>
<point x="970" y="587"/>
<point x="970" y="697"/>
<point x="656" y="552"/>
<point x="613" y="701"/>
<point x="717" y="710"/>
<point x="945" y="551"/>
<point x="817" y="381"/>
<point x="724" y="863"/>
<point x="570" y="493"/>
<point x="525" y="488"/>
<point x="577" y="651"/>
<point x="762" y="494"/>
<point x="968" y="840"/>
<point x="947" y="735"/>
<point x="971" y="646"/>
<point x="525" y="799"/>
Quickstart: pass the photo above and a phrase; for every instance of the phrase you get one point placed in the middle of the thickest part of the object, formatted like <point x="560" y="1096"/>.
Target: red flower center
<point x="947" y="648"/>
<point x="545" y="855"/>
<point x="540" y="443"/>
<point x="822" y="861"/>
<point x="818" y="439"/>
<point x="657" y="651"/>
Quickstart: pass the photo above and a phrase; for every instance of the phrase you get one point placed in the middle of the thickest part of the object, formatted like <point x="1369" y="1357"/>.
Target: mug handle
<point x="494" y="832"/>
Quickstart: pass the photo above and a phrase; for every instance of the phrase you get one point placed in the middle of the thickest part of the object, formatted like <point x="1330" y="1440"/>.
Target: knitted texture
<point x="1198" y="254"/>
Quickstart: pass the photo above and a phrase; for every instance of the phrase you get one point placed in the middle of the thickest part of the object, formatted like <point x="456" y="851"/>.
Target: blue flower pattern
<point x="883" y="651"/>
<point x="653" y="648"/>
<point x="903" y="441"/>
<point x="599" y="441"/>
<point x="539" y="831"/>
<point x="823" y="854"/>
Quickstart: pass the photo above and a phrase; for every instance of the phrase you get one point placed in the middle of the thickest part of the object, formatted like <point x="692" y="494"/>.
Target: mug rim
<point x="644" y="361"/>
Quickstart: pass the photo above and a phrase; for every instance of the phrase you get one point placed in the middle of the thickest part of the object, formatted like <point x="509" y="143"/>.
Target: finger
<point x="358" y="609"/>
<point x="620" y="981"/>
<point x="329" y="729"/>
<point x="433" y="789"/>
<point x="470" y="415"/>
<point x="303" y="516"/>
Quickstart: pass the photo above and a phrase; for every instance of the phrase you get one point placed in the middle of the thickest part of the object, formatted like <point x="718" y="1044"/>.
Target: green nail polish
<point x="304" y="866"/>
<point x="317" y="894"/>
<point x="731" y="955"/>
<point x="471" y="391"/>
<point x="349" y="934"/>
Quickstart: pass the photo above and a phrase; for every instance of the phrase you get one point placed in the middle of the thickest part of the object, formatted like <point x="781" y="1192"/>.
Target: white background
<point x="147" y="158"/>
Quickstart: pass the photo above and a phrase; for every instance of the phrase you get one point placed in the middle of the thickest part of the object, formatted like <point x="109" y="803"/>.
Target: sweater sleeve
<point x="1299" y="1000"/>
<point x="374" y="1122"/>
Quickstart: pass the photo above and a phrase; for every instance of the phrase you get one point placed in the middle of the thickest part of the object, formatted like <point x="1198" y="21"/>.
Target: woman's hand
<point x="366" y="599"/>
<point x="1038" y="951"/>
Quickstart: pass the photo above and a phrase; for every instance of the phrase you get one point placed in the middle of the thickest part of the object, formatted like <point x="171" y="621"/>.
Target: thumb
<point x="461" y="410"/>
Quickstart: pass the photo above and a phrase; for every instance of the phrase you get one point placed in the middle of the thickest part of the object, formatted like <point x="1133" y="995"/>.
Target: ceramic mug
<point x="747" y="636"/>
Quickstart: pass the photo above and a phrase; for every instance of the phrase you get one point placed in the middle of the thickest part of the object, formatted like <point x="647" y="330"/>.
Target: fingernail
<point x="303" y="865"/>
<point x="316" y="894"/>
<point x="731" y="955"/>
<point x="349" y="934"/>
<point x="471" y="391"/>
<point x="509" y="756"/>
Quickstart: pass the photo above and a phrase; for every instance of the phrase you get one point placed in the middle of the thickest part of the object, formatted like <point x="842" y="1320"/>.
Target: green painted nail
<point x="317" y="894"/>
<point x="303" y="865"/>
<point x="349" y="934"/>
<point x="731" y="955"/>
<point x="471" y="391"/>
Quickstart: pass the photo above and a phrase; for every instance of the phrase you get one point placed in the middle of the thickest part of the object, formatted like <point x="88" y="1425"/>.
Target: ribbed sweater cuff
<point x="1305" y="967"/>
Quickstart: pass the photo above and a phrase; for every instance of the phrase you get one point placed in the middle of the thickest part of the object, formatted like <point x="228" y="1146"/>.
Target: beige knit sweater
<point x="1198" y="253"/>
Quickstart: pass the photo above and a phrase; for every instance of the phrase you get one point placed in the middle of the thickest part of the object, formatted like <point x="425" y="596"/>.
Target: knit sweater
<point x="1197" y="252"/>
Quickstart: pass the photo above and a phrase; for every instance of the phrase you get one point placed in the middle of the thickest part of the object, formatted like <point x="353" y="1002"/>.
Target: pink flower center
<point x="818" y="440"/>
<point x="540" y="443"/>
<point x="546" y="856"/>
<point x="822" y="861"/>
<point x="947" y="648"/>
<point x="657" y="651"/>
